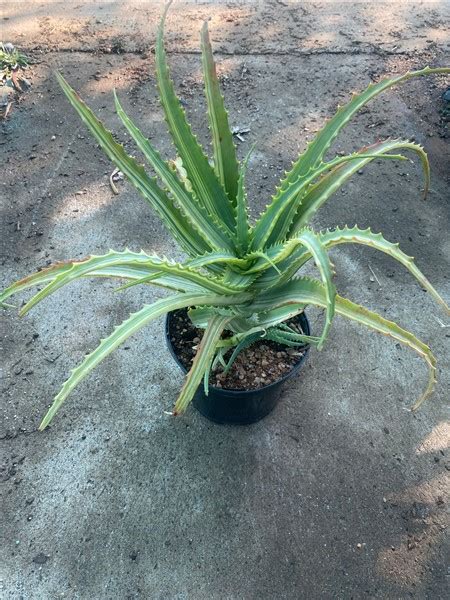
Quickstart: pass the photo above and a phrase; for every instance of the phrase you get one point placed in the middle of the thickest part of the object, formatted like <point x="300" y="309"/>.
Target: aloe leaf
<point x="218" y="359"/>
<point x="205" y="184"/>
<point x="213" y="234"/>
<point x="313" y="157"/>
<point x="153" y="263"/>
<point x="319" y="192"/>
<point x="126" y="265"/>
<point x="316" y="149"/>
<point x="133" y="272"/>
<point x="170" y="215"/>
<point x="275" y="316"/>
<point x="201" y="362"/>
<point x="268" y="321"/>
<point x="246" y="342"/>
<point x="242" y="226"/>
<point x="274" y="223"/>
<point x="309" y="291"/>
<point x="295" y="256"/>
<point x="38" y="278"/>
<point x="218" y="258"/>
<point x="273" y="334"/>
<point x="206" y="379"/>
<point x="374" y="321"/>
<point x="238" y="279"/>
<point x="136" y="274"/>
<point x="309" y="239"/>
<point x="201" y="315"/>
<point x="355" y="235"/>
<point x="120" y="334"/>
<point x="282" y="337"/>
<point x="247" y="266"/>
<point x="272" y="256"/>
<point x="201" y="281"/>
<point x="225" y="161"/>
<point x="292" y="336"/>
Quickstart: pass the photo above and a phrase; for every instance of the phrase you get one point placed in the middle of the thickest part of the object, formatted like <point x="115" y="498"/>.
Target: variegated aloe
<point x="237" y="277"/>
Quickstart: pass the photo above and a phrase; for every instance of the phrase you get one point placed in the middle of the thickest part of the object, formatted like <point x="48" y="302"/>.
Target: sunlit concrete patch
<point x="406" y="562"/>
<point x="405" y="25"/>
<point x="84" y="203"/>
<point x="437" y="440"/>
<point x="409" y="557"/>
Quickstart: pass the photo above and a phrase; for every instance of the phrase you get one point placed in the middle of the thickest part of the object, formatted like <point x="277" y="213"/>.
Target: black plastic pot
<point x="239" y="407"/>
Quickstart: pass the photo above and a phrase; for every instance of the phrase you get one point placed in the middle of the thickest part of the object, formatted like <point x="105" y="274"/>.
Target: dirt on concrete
<point x="341" y="492"/>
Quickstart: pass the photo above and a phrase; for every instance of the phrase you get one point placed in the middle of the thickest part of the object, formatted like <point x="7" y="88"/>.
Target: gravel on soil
<point x="261" y="364"/>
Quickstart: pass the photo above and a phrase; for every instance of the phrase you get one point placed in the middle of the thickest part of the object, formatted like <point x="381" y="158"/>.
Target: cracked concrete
<point x="341" y="492"/>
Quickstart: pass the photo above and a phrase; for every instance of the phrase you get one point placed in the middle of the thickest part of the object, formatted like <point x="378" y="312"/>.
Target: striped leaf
<point x="317" y="149"/>
<point x="153" y="264"/>
<point x="205" y="184"/>
<point x="365" y="237"/>
<point x="309" y="239"/>
<point x="319" y="193"/>
<point x="212" y="232"/>
<point x="274" y="224"/>
<point x="120" y="334"/>
<point x="201" y="362"/>
<point x="242" y="225"/>
<point x="225" y="161"/>
<point x="309" y="291"/>
<point x="171" y="216"/>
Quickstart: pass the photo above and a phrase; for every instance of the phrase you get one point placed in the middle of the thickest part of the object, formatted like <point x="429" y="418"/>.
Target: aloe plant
<point x="238" y="277"/>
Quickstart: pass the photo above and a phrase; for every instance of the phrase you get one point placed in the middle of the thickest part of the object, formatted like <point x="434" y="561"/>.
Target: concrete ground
<point x="340" y="492"/>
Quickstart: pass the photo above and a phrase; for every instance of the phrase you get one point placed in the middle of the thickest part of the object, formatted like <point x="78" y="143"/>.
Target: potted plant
<point x="239" y="286"/>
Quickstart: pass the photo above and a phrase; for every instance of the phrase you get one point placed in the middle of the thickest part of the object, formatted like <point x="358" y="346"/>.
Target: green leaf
<point x="213" y="234"/>
<point x="171" y="216"/>
<point x="201" y="362"/>
<point x="184" y="273"/>
<point x="245" y="322"/>
<point x="186" y="277"/>
<point x="38" y="278"/>
<point x="308" y="291"/>
<point x="374" y="321"/>
<point x="274" y="256"/>
<point x="120" y="334"/>
<point x="319" y="193"/>
<point x="126" y="270"/>
<point x="309" y="239"/>
<point x="225" y="162"/>
<point x="285" y="338"/>
<point x="238" y="279"/>
<point x="217" y="258"/>
<point x="201" y="315"/>
<point x="242" y="226"/>
<point x="291" y="256"/>
<point x="245" y="342"/>
<point x="294" y="257"/>
<point x="294" y="336"/>
<point x="313" y="157"/>
<point x="275" y="316"/>
<point x="275" y="222"/>
<point x="355" y="235"/>
<point x="205" y="184"/>
<point x="316" y="149"/>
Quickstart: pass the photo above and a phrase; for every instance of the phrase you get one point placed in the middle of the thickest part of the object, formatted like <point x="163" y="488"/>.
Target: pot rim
<point x="287" y="375"/>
